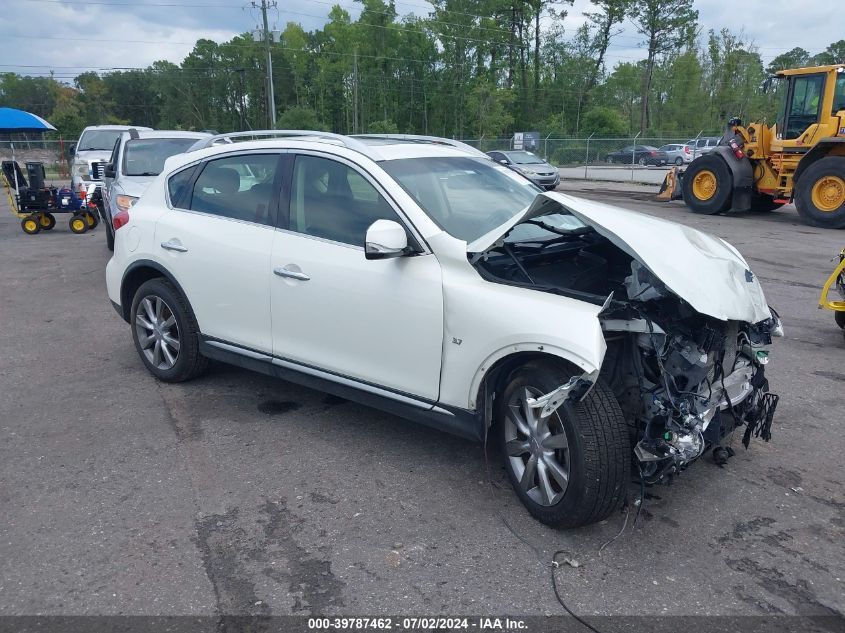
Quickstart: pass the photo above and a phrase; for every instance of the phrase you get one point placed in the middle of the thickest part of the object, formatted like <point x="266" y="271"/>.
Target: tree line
<point x="467" y="69"/>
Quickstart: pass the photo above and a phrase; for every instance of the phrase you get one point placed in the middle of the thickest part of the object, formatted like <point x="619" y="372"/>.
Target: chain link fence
<point x="54" y="155"/>
<point x="636" y="158"/>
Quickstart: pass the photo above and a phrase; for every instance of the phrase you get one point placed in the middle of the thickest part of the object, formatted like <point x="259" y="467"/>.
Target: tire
<point x="31" y="224"/>
<point x="47" y="221"/>
<point x="679" y="161"/>
<point x="642" y="162"/>
<point x="597" y="456"/>
<point x="610" y="160"/>
<point x="761" y="202"/>
<point x="820" y="193"/>
<point x="78" y="223"/>
<point x="159" y="303"/>
<point x="92" y="219"/>
<point x="840" y="319"/>
<point x="707" y="185"/>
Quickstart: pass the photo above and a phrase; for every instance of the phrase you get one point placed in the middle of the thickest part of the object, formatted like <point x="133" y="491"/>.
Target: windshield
<point x="146" y="156"/>
<point x="467" y="197"/>
<point x="98" y="139"/>
<point x="524" y="158"/>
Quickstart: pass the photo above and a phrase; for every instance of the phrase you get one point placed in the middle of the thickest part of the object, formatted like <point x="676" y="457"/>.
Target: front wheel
<point x="707" y="185"/>
<point x="679" y="161"/>
<point x="571" y="468"/>
<point x="840" y="319"/>
<point x="820" y="193"/>
<point x="165" y="332"/>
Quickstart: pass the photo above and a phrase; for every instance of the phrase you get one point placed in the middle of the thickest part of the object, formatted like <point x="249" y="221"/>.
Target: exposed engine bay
<point x="684" y="380"/>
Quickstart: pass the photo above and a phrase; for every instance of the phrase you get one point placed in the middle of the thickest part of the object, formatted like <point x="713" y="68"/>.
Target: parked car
<point x="529" y="165"/>
<point x="703" y="145"/>
<point x="423" y="278"/>
<point x="91" y="153"/>
<point x="136" y="159"/>
<point x="639" y="154"/>
<point x="677" y="153"/>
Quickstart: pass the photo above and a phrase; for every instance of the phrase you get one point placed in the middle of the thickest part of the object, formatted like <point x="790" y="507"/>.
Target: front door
<point x="375" y="321"/>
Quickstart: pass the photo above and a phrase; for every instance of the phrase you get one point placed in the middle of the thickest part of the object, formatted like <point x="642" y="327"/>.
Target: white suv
<point x="416" y="275"/>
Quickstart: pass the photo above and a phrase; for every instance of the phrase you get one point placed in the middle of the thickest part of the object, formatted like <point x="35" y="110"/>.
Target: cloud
<point x="94" y="36"/>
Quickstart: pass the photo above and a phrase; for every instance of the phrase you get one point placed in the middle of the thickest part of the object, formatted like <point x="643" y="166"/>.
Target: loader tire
<point x="708" y="186"/>
<point x="820" y="193"/>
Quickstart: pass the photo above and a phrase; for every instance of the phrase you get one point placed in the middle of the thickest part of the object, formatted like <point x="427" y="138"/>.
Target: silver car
<point x="703" y="145"/>
<point x="678" y="153"/>
<point x="136" y="159"/>
<point x="529" y="165"/>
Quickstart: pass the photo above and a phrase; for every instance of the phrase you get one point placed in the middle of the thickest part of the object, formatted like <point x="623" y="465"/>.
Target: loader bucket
<point x="670" y="189"/>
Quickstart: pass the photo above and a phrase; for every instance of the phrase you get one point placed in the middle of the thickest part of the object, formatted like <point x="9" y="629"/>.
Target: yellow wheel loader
<point x="801" y="158"/>
<point x="835" y="280"/>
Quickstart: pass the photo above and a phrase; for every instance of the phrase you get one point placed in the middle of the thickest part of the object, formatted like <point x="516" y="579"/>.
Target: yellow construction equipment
<point x="801" y="158"/>
<point x="837" y="280"/>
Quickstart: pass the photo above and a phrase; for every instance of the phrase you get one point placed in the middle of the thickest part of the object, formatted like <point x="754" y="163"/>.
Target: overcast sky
<point x="78" y="35"/>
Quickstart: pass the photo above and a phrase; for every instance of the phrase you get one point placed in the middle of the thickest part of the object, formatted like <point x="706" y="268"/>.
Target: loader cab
<point x="809" y="101"/>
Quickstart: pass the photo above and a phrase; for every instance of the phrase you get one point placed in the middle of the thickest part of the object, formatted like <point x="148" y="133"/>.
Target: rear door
<point x="216" y="240"/>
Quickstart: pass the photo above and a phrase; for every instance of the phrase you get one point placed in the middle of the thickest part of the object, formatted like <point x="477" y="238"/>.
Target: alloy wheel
<point x="537" y="449"/>
<point x="158" y="332"/>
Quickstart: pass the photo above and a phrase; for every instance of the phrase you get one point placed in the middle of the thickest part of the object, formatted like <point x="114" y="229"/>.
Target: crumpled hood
<point x="704" y="270"/>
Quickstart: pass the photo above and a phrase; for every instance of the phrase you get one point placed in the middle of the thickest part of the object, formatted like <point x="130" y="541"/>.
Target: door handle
<point x="174" y="246"/>
<point x="293" y="274"/>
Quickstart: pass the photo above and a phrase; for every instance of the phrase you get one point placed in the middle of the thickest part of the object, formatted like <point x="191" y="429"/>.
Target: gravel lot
<point x="237" y="493"/>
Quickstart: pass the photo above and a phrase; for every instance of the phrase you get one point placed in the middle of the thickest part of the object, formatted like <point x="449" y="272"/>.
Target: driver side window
<point x="333" y="201"/>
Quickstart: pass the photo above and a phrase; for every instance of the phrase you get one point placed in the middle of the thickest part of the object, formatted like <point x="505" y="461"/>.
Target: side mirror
<point x="385" y="239"/>
<point x="504" y="161"/>
<point x="71" y="149"/>
<point x="108" y="171"/>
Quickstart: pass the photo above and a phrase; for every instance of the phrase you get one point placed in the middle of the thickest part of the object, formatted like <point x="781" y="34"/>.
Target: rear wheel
<point x="820" y="193"/>
<point x="166" y="333"/>
<point x="47" y="221"/>
<point x="570" y="468"/>
<point x="30" y="224"/>
<point x="78" y="223"/>
<point x="707" y="185"/>
<point x="840" y="319"/>
<point x="641" y="161"/>
<point x="679" y="161"/>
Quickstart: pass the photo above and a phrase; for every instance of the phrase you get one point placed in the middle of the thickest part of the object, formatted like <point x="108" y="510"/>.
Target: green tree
<point x="667" y="25"/>
<point x="604" y="122"/>
<point x="299" y="118"/>
<point x="796" y="58"/>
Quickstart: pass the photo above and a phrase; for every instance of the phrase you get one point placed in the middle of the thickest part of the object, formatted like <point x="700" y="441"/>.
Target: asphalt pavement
<point x="240" y="494"/>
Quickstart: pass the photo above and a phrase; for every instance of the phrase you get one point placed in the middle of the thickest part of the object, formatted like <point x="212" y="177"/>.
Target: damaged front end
<point x="686" y="351"/>
<point x="685" y="381"/>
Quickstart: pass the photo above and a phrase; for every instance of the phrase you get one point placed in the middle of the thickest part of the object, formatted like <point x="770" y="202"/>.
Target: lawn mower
<point x="35" y="204"/>
<point x="836" y="278"/>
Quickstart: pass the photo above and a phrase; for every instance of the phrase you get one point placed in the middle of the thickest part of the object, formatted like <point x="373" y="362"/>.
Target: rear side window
<point x="178" y="186"/>
<point x="237" y="187"/>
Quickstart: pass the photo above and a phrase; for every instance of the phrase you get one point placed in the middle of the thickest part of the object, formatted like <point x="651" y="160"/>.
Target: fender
<point x="134" y="267"/>
<point x="742" y="173"/>
<point x="824" y="147"/>
<point x="535" y="348"/>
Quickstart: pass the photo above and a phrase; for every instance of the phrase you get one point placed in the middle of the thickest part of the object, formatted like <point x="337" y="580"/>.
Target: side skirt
<point x="460" y="422"/>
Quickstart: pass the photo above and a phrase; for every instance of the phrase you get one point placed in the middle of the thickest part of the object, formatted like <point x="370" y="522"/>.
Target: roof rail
<point x="418" y="138"/>
<point x="337" y="139"/>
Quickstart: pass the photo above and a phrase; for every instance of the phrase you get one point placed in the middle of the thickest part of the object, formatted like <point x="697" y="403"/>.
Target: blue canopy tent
<point x="14" y="121"/>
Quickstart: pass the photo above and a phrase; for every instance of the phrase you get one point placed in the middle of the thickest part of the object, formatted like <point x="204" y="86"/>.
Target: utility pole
<point x="266" y="36"/>
<point x="355" y="92"/>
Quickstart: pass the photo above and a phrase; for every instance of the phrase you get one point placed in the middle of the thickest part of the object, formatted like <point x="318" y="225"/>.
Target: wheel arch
<point x="491" y="377"/>
<point x="742" y="174"/>
<point x="823" y="148"/>
<point x="136" y="274"/>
